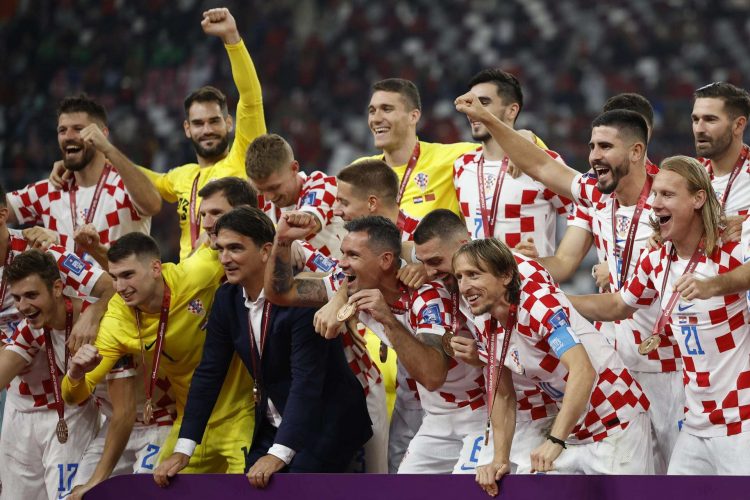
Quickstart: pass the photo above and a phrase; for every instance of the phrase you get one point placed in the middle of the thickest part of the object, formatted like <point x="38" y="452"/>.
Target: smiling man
<point x="38" y="459"/>
<point x="615" y="193"/>
<point x="713" y="334"/>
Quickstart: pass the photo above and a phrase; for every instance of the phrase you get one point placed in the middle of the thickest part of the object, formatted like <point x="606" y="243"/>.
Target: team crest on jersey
<point x="422" y="179"/>
<point x="623" y="224"/>
<point x="195" y="306"/>
<point x="322" y="263"/>
<point x="516" y="362"/>
<point x="309" y="198"/>
<point x="431" y="315"/>
<point x="489" y="185"/>
<point x="73" y="264"/>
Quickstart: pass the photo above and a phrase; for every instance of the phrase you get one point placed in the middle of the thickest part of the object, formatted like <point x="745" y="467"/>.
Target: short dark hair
<point x="135" y="243"/>
<point x="382" y="233"/>
<point x="624" y="120"/>
<point x="33" y="262"/>
<point x="508" y="88"/>
<point x="267" y="154"/>
<point x="250" y="222"/>
<point x="438" y="224"/>
<point x="371" y="176"/>
<point x="736" y="100"/>
<point x="405" y="88"/>
<point x="238" y="192"/>
<point x="494" y="256"/>
<point x="207" y="93"/>
<point x="82" y="103"/>
<point x="632" y="102"/>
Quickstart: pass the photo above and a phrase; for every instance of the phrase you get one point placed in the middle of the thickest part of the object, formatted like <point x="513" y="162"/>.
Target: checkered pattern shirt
<point x="43" y="204"/>
<point x="317" y="196"/>
<point x="526" y="208"/>
<point x="407" y="225"/>
<point x="78" y="276"/>
<point x="738" y="201"/>
<point x="713" y="335"/>
<point x="616" y="397"/>
<point x="596" y="213"/>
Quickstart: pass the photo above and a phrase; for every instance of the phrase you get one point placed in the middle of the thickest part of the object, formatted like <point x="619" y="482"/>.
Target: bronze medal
<point x="383" y="352"/>
<point x="447" y="347"/>
<point x="148" y="411"/>
<point x="346" y="312"/>
<point x="62" y="431"/>
<point x="649" y="345"/>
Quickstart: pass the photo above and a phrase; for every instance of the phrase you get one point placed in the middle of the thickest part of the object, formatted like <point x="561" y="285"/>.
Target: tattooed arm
<point x="282" y="288"/>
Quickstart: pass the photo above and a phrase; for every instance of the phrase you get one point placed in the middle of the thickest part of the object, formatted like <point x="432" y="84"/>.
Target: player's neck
<point x="390" y="287"/>
<point x="685" y="244"/>
<point x="299" y="183"/>
<point x="89" y="175"/>
<point x="492" y="150"/>
<point x="629" y="188"/>
<point x="390" y="213"/>
<point x="723" y="163"/>
<point x="500" y="311"/>
<point x="153" y="304"/>
<point x="253" y="287"/>
<point x="400" y="155"/>
<point x="60" y="315"/>
<point x="204" y="161"/>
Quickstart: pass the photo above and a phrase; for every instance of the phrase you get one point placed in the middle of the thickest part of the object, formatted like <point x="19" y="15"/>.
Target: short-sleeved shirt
<point x="616" y="398"/>
<point x="713" y="335"/>
<point x="526" y="208"/>
<point x="43" y="204"/>
<point x="629" y="333"/>
<point x="317" y="196"/>
<point x="430" y="185"/>
<point x="78" y="276"/>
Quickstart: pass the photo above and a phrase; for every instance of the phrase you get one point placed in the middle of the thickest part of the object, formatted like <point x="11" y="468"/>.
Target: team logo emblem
<point x="623" y="223"/>
<point x="422" y="179"/>
<point x="309" y="198"/>
<point x="195" y="306"/>
<point x="489" y="185"/>
<point x="431" y="315"/>
<point x="73" y="264"/>
<point x="322" y="263"/>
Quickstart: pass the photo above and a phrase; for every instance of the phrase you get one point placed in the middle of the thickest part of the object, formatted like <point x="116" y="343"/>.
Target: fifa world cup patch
<point x="309" y="198"/>
<point x="195" y="306"/>
<point x="322" y="263"/>
<point x="74" y="264"/>
<point x="431" y="315"/>
<point x="558" y="319"/>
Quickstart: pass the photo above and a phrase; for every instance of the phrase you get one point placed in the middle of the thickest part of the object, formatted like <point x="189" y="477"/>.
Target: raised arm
<point x="602" y="306"/>
<point x="525" y="155"/>
<point x="571" y="251"/>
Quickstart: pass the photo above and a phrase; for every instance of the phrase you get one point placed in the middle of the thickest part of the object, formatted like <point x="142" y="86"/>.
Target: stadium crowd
<point x="397" y="313"/>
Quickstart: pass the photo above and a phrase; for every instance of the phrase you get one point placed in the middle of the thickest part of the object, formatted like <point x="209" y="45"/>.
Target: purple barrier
<point x="432" y="487"/>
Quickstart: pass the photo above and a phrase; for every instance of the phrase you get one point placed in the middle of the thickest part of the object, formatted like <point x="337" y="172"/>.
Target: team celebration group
<point x="403" y="316"/>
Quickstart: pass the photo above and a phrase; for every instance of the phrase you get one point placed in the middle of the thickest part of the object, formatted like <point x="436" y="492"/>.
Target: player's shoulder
<point x="184" y="172"/>
<point x="446" y="151"/>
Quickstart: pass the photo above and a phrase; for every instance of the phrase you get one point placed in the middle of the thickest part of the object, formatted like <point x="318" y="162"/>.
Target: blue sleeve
<point x="562" y="337"/>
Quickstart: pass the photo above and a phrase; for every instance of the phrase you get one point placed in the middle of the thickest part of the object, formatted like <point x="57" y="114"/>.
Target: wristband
<point x="555" y="440"/>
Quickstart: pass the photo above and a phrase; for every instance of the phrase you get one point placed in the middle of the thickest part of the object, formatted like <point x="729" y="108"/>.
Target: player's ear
<point x="265" y="252"/>
<point x="230" y="123"/>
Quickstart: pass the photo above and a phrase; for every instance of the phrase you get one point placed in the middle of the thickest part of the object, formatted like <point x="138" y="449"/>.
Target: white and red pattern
<point x="317" y="196"/>
<point x="616" y="397"/>
<point x="738" y="201"/>
<point x="595" y="212"/>
<point x="714" y="339"/>
<point x="407" y="225"/>
<point x="78" y="276"/>
<point x="43" y="204"/>
<point x="526" y="208"/>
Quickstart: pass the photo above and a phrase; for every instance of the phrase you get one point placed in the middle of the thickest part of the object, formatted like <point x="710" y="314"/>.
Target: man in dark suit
<point x="311" y="414"/>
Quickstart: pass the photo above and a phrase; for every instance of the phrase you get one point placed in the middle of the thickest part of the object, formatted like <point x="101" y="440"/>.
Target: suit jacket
<point x="321" y="403"/>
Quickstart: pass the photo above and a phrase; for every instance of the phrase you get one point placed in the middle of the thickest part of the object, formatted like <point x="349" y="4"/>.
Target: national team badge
<point x="431" y="315"/>
<point x="489" y="185"/>
<point x="422" y="179"/>
<point x="195" y="306"/>
<point x="623" y="224"/>
<point x="73" y="264"/>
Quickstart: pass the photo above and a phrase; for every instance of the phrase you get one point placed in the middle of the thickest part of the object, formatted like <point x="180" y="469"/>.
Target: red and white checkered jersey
<point x="738" y="200"/>
<point x="407" y="225"/>
<point x="713" y="335"/>
<point x="631" y="332"/>
<point x="526" y="208"/>
<point x="32" y="389"/>
<point x="317" y="196"/>
<point x="616" y="397"/>
<point x="43" y="204"/>
<point x="78" y="276"/>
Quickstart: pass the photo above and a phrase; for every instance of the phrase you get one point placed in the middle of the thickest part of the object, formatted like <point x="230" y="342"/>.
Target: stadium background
<point x="317" y="58"/>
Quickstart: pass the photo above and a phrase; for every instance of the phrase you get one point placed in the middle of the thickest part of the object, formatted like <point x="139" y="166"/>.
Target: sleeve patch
<point x="323" y="263"/>
<point x="562" y="339"/>
<point x="431" y="315"/>
<point x="558" y="319"/>
<point x="309" y="198"/>
<point x="74" y="264"/>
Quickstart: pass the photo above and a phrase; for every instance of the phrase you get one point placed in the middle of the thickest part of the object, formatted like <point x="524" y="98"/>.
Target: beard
<point x="616" y="173"/>
<point x="481" y="136"/>
<point x="716" y="147"/>
<point x="214" y="153"/>
<point x="87" y="155"/>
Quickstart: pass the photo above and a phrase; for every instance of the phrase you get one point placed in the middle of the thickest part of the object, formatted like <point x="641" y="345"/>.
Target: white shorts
<point x="437" y="446"/>
<point x="405" y="423"/>
<point x="666" y="393"/>
<point x="627" y="451"/>
<point x="374" y="456"/>
<point x="139" y="455"/>
<point x="33" y="464"/>
<point x="720" y="455"/>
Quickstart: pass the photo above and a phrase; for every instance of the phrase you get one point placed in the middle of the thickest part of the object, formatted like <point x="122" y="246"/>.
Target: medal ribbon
<point x="489" y="218"/>
<point x="94" y="201"/>
<point x="627" y="252"/>
<point x="254" y="348"/>
<point x="59" y="404"/>
<point x="194" y="219"/>
<point x="735" y="173"/>
<point x="674" y="298"/>
<point x="6" y="262"/>
<point x="161" y="333"/>
<point x="494" y="370"/>
<point x="407" y="173"/>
